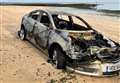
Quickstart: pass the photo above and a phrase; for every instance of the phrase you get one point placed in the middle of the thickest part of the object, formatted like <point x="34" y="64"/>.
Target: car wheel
<point x="22" y="34"/>
<point x="58" y="58"/>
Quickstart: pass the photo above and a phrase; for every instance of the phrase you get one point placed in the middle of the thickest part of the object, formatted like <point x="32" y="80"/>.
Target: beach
<point x="21" y="62"/>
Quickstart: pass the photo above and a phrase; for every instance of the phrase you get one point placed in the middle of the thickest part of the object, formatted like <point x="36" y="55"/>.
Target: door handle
<point x="35" y="24"/>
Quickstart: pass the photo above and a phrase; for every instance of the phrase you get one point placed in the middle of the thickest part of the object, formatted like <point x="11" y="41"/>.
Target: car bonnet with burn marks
<point x="90" y="45"/>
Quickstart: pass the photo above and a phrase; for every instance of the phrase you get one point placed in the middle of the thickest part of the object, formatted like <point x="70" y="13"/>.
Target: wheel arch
<point x="22" y="26"/>
<point x="50" y="51"/>
<point x="53" y="45"/>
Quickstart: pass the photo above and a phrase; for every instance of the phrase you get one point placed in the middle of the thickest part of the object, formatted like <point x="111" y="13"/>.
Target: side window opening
<point x="45" y="19"/>
<point x="34" y="15"/>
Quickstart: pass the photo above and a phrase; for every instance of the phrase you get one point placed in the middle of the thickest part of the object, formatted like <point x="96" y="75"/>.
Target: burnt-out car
<point x="71" y="42"/>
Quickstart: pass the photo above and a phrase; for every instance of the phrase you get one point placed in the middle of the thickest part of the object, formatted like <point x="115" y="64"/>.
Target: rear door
<point x="33" y="17"/>
<point x="42" y="30"/>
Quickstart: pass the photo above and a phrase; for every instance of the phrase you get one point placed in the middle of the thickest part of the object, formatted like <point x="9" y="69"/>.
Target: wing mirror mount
<point x="50" y="27"/>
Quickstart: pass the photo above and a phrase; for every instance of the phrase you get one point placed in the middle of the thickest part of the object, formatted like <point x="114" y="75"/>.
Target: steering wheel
<point x="63" y="25"/>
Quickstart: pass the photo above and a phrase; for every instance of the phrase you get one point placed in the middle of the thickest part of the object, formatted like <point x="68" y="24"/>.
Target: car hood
<point x="87" y="35"/>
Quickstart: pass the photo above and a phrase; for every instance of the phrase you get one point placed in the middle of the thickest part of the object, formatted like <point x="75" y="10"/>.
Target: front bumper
<point x="96" y="68"/>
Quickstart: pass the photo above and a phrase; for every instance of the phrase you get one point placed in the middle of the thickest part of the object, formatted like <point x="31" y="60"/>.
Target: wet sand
<point x="21" y="62"/>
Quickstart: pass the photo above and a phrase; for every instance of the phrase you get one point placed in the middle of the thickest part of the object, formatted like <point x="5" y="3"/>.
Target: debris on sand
<point x="38" y="72"/>
<point x="49" y="74"/>
<point x="52" y="81"/>
<point x="43" y="63"/>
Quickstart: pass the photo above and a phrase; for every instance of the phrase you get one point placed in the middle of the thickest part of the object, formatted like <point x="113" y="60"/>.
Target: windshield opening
<point x="66" y="22"/>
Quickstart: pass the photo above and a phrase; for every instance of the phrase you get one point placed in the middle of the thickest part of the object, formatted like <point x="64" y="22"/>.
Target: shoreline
<point x="83" y="6"/>
<point x="79" y="5"/>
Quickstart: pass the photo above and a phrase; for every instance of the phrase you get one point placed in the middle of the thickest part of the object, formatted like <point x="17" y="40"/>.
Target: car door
<point x="33" y="17"/>
<point x="42" y="30"/>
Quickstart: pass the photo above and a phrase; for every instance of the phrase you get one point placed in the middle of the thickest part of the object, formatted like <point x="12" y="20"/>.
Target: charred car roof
<point x="56" y="12"/>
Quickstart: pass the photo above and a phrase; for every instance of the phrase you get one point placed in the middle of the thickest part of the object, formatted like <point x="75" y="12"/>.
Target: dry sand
<point x="21" y="62"/>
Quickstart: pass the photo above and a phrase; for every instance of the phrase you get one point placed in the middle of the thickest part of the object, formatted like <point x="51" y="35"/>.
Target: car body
<point x="71" y="42"/>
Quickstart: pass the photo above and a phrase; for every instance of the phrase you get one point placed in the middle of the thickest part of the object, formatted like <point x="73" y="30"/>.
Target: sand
<point x="21" y="62"/>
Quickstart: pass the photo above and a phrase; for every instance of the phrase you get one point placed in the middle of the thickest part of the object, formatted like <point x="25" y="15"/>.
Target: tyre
<point x="58" y="58"/>
<point x="22" y="34"/>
